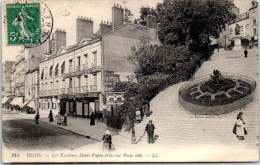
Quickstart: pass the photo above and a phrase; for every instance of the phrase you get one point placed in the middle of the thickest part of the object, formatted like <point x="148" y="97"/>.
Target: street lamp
<point x="133" y="139"/>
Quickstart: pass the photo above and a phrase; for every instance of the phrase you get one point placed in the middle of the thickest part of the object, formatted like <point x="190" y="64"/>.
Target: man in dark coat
<point x="245" y="52"/>
<point x="150" y="131"/>
<point x="36" y="119"/>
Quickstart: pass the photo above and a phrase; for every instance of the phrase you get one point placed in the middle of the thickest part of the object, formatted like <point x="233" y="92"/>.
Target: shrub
<point x="245" y="42"/>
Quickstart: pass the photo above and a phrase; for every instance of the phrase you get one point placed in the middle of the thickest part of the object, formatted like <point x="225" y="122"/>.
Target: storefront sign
<point x="110" y="80"/>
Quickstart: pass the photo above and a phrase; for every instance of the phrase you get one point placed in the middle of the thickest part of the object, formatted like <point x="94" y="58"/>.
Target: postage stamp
<point x="23" y="24"/>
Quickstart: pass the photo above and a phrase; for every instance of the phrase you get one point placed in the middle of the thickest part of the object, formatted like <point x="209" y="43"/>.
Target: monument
<point x="237" y="38"/>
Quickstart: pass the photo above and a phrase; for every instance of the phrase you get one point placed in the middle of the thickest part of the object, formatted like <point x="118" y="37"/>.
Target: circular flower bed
<point x="205" y="96"/>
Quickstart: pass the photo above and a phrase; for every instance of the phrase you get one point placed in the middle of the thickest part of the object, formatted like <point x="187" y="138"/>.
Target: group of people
<point x="61" y="119"/>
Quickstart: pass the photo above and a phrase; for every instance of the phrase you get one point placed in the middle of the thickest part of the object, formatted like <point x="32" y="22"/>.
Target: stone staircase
<point x="176" y="126"/>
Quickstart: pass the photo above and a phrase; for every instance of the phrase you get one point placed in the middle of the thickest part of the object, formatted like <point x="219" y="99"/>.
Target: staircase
<point x="176" y="126"/>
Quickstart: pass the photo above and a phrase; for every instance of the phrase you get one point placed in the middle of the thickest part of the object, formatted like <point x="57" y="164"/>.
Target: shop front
<point x="81" y="105"/>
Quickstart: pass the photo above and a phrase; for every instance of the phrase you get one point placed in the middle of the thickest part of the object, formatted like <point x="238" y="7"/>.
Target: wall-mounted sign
<point x="110" y="80"/>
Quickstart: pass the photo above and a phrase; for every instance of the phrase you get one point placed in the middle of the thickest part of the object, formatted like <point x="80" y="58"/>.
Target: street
<point x="22" y="133"/>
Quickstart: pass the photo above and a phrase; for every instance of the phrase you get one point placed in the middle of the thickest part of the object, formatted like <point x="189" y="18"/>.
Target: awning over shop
<point x="17" y="101"/>
<point x="4" y="100"/>
<point x="13" y="101"/>
<point x="31" y="105"/>
<point x="24" y="104"/>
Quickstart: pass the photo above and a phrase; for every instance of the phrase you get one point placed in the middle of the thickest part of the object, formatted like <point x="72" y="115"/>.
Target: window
<point x="95" y="79"/>
<point x="95" y="58"/>
<point x="57" y="70"/>
<point x="63" y="68"/>
<point x="70" y="83"/>
<point x="86" y="79"/>
<point x="254" y="22"/>
<point x="78" y="61"/>
<point x="254" y="31"/>
<point x="51" y="71"/>
<point x="70" y="66"/>
<point x="39" y="105"/>
<point x="79" y="83"/>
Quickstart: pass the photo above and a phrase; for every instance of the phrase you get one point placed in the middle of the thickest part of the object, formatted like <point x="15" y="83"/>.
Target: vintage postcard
<point x="129" y="81"/>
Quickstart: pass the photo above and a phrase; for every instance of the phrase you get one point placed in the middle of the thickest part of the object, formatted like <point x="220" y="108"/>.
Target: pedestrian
<point x="150" y="131"/>
<point x="245" y="52"/>
<point x="50" y="116"/>
<point x="58" y="118"/>
<point x="146" y="110"/>
<point x="92" y="119"/>
<point x="142" y="113"/>
<point x="65" y="119"/>
<point x="239" y="129"/>
<point x="138" y="116"/>
<point x="107" y="141"/>
<point x="36" y="119"/>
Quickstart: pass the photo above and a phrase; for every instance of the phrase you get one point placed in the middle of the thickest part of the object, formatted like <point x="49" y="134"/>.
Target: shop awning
<point x="4" y="100"/>
<point x="31" y="105"/>
<point x="13" y="101"/>
<point x="17" y="101"/>
<point x="24" y="104"/>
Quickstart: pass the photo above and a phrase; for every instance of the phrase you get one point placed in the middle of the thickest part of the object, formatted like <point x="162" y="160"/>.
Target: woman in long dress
<point x="58" y="118"/>
<point x="50" y="116"/>
<point x="107" y="141"/>
<point x="92" y="119"/>
<point x="240" y="129"/>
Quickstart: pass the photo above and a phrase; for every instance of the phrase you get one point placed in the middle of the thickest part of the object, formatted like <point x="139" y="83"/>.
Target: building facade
<point x="6" y="78"/>
<point x="78" y="78"/>
<point x="26" y="61"/>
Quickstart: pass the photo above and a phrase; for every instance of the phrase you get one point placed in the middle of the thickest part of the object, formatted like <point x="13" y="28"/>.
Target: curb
<point x="86" y="136"/>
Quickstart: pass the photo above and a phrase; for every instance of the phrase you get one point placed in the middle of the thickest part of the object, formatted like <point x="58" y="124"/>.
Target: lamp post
<point x="133" y="139"/>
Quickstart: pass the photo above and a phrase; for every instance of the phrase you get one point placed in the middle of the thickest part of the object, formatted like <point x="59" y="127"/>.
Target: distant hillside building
<point x="248" y="23"/>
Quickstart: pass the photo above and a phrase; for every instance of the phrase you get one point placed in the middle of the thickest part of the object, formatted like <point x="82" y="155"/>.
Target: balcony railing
<point x="93" y="88"/>
<point x="77" y="89"/>
<point x="78" y="68"/>
<point x="93" y="65"/>
<point x="50" y="92"/>
<point x="85" y="89"/>
<point x="85" y="66"/>
<point x="62" y="90"/>
<point x="56" y="91"/>
<point x="43" y="93"/>
<point x="70" y="90"/>
<point x="71" y="70"/>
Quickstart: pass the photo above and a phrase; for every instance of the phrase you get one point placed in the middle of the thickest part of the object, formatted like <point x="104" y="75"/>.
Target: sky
<point x="96" y="9"/>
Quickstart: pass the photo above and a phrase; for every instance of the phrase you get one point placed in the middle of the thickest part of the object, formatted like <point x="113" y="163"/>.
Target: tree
<point x="152" y="59"/>
<point x="192" y="22"/>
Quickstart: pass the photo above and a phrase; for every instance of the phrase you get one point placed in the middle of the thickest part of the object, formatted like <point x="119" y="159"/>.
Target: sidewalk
<point x="81" y="126"/>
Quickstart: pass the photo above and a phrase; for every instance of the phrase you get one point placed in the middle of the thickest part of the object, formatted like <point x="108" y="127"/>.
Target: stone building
<point x="76" y="79"/>
<point x="6" y="81"/>
<point x="26" y="61"/>
<point x="248" y="23"/>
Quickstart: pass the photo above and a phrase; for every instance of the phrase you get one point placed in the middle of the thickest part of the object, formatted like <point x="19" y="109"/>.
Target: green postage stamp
<point x="23" y="24"/>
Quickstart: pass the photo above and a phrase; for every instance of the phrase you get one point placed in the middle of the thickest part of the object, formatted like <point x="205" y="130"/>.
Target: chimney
<point x="117" y="16"/>
<point x="105" y="27"/>
<point x="151" y="21"/>
<point x="84" y="28"/>
<point x="58" y="40"/>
